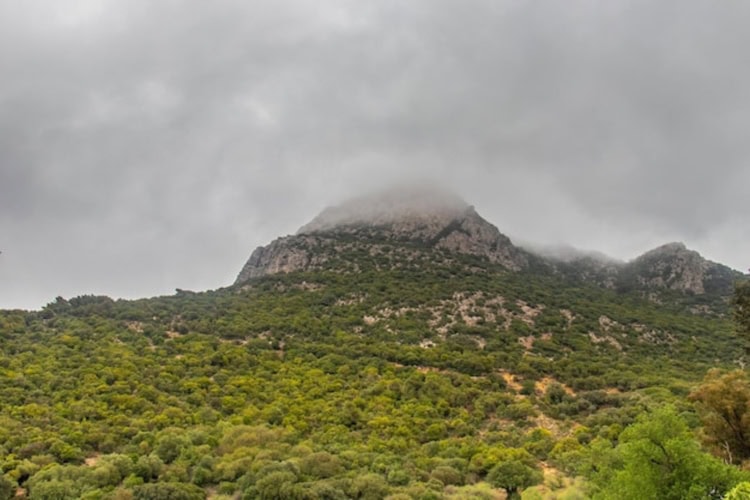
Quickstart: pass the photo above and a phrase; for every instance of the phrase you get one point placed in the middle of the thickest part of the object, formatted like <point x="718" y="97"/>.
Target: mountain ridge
<point x="381" y="365"/>
<point x="423" y="218"/>
<point x="433" y="219"/>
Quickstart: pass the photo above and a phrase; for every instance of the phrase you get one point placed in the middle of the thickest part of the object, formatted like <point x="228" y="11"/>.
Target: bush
<point x="168" y="491"/>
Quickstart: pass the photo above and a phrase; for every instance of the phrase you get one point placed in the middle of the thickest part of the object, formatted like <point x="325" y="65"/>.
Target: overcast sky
<point x="149" y="145"/>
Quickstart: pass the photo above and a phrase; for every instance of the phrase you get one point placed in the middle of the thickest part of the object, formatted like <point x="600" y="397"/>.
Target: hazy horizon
<point x="560" y="250"/>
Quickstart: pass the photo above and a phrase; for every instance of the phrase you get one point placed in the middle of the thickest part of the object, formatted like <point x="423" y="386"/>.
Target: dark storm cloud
<point x="150" y="145"/>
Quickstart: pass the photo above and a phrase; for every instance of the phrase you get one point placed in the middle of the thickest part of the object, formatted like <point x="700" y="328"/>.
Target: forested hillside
<point x="430" y="376"/>
<point x="398" y="346"/>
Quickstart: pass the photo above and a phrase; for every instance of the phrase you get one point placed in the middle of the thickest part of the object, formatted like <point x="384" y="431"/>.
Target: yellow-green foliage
<point x="393" y="381"/>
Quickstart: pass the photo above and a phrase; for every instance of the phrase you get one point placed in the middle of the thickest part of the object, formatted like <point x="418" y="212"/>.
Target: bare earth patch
<point x="510" y="380"/>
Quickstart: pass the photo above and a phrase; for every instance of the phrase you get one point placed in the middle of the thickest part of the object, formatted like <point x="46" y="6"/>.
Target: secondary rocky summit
<point x="675" y="267"/>
<point x="430" y="218"/>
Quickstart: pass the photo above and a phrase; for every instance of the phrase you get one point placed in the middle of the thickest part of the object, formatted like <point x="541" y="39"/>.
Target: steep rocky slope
<point x="670" y="268"/>
<point x="675" y="267"/>
<point x="420" y="219"/>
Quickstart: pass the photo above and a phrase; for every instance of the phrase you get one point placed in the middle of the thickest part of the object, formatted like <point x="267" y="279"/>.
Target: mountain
<point x="675" y="267"/>
<point x="398" y="346"/>
<point x="418" y="219"/>
<point x="421" y="220"/>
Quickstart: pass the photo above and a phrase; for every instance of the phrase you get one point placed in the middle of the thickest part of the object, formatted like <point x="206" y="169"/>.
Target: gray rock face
<point x="668" y="267"/>
<point x="283" y="255"/>
<point x="675" y="267"/>
<point x="469" y="233"/>
<point x="428" y="217"/>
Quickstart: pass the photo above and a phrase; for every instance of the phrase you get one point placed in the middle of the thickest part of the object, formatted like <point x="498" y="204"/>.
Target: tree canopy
<point x="658" y="458"/>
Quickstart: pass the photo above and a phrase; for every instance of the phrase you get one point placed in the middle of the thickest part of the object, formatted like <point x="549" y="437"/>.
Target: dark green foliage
<point x="512" y="475"/>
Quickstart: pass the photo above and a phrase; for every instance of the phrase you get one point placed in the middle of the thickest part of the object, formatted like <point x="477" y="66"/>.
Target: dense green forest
<point x="457" y="380"/>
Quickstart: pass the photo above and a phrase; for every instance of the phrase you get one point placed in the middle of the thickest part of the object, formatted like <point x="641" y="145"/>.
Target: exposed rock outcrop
<point x="675" y="267"/>
<point x="669" y="267"/>
<point x="283" y="255"/>
<point x="426" y="217"/>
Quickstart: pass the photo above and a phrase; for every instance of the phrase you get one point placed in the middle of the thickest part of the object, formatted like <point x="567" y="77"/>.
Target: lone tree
<point x="513" y="475"/>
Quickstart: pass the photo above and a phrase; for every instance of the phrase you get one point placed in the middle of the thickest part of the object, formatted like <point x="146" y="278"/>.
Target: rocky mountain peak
<point x="669" y="267"/>
<point x="673" y="266"/>
<point x="424" y="216"/>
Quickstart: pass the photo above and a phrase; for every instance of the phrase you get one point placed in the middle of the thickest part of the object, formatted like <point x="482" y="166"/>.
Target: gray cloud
<point x="146" y="146"/>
